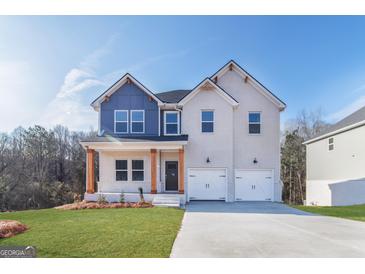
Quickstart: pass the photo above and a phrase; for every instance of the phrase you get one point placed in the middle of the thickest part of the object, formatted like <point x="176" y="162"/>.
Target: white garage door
<point x="254" y="185"/>
<point x="207" y="183"/>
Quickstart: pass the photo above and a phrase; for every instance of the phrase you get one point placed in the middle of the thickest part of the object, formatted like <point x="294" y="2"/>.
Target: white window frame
<point x="115" y="120"/>
<point x="144" y="175"/>
<point x="201" y="121"/>
<point x="121" y="170"/>
<point x="254" y="123"/>
<point x="329" y="144"/>
<point x="131" y="123"/>
<point x="165" y="122"/>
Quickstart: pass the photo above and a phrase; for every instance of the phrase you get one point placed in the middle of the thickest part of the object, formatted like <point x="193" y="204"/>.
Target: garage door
<point x="254" y="185"/>
<point x="207" y="183"/>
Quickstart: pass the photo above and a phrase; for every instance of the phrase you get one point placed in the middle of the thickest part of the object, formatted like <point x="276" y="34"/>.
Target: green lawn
<point x="355" y="212"/>
<point x="126" y="232"/>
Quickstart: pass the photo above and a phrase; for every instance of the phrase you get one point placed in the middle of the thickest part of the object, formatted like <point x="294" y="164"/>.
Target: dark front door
<point x="171" y="180"/>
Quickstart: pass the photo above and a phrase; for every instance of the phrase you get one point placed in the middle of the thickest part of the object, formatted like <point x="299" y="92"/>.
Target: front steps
<point x="166" y="201"/>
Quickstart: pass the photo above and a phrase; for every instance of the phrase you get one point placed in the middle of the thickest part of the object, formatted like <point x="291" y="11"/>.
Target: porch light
<point x="255" y="161"/>
<point x="208" y="160"/>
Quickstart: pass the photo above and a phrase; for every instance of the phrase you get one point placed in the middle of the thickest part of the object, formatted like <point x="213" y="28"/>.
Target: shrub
<point x="141" y="198"/>
<point x="122" y="198"/>
<point x="102" y="199"/>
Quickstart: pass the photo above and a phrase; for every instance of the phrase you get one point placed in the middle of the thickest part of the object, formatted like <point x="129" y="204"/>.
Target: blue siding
<point x="129" y="97"/>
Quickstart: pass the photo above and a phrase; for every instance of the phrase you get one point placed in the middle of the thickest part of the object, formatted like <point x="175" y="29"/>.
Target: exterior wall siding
<point x="218" y="146"/>
<point x="265" y="147"/>
<point x="129" y="97"/>
<point x="107" y="181"/>
<point x="337" y="177"/>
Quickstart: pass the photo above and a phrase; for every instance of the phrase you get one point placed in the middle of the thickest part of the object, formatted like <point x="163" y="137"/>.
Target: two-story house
<point x="218" y="141"/>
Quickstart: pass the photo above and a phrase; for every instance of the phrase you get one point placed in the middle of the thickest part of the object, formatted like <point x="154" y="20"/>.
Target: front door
<point x="171" y="178"/>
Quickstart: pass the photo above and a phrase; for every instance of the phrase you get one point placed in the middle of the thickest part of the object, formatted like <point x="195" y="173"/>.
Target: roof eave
<point x="96" y="103"/>
<point x="335" y="132"/>
<point x="271" y="96"/>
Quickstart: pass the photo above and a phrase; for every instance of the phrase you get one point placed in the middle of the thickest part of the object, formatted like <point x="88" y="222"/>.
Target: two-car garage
<point x="211" y="184"/>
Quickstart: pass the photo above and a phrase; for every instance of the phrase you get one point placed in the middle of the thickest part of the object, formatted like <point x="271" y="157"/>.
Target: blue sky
<point x="51" y="68"/>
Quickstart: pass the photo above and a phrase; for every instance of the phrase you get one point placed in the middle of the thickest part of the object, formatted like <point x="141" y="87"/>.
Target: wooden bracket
<point x="128" y="80"/>
<point x="107" y="98"/>
<point x="231" y="67"/>
<point x="215" y="80"/>
<point x="246" y="79"/>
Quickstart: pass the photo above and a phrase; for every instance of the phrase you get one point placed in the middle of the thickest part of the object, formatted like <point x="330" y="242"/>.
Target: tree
<point x="41" y="168"/>
<point x="293" y="157"/>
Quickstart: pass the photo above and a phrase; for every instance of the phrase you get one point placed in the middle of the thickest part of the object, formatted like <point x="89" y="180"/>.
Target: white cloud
<point x="18" y="93"/>
<point x="70" y="107"/>
<point x="357" y="104"/>
<point x="77" y="80"/>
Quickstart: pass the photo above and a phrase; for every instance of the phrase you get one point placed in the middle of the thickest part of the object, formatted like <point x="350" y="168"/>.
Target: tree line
<point x="293" y="154"/>
<point x="41" y="168"/>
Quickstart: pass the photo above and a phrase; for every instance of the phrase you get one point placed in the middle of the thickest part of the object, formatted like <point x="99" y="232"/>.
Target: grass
<point x="354" y="212"/>
<point x="113" y="233"/>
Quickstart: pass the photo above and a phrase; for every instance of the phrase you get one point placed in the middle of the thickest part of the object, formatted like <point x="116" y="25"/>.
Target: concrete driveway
<point x="264" y="229"/>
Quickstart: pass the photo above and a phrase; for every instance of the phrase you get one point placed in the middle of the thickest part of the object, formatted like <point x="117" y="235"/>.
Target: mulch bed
<point x="95" y="205"/>
<point x="9" y="228"/>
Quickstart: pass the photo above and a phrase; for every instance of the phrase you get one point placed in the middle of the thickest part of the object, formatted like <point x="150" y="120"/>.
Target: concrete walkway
<point x="264" y="229"/>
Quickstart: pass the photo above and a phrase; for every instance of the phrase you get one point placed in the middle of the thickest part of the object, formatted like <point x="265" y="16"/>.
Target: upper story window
<point x="331" y="145"/>
<point x="254" y="122"/>
<point x="171" y="126"/>
<point x="207" y="119"/>
<point x="137" y="121"/>
<point x="121" y="121"/>
<point x="121" y="170"/>
<point x="137" y="170"/>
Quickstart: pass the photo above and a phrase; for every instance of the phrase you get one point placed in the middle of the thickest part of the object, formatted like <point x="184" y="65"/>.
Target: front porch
<point x="124" y="167"/>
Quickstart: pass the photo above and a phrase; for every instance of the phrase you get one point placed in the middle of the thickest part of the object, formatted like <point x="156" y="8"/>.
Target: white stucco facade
<point x="337" y="177"/>
<point x="265" y="147"/>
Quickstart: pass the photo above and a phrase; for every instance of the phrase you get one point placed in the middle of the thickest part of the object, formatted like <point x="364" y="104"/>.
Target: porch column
<point x="153" y="171"/>
<point x="181" y="170"/>
<point x="90" y="166"/>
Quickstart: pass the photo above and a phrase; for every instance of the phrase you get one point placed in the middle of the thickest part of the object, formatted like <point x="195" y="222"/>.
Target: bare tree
<point x="293" y="163"/>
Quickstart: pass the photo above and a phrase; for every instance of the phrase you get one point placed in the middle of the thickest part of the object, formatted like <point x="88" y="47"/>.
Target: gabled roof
<point x="126" y="77"/>
<point x="173" y="96"/>
<point x="250" y="79"/>
<point x="354" y="120"/>
<point x="217" y="88"/>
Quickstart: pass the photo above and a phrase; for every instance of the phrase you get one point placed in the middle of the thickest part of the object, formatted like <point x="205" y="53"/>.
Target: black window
<point x="254" y="123"/>
<point x="207" y="119"/>
<point x="121" y="121"/>
<point x="137" y="121"/>
<point x="171" y="123"/>
<point x="121" y="170"/>
<point x="137" y="170"/>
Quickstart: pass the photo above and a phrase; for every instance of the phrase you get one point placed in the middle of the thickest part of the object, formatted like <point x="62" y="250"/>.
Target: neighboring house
<point x="336" y="163"/>
<point x="218" y="141"/>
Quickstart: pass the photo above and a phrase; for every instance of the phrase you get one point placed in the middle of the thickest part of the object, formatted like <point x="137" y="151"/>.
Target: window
<point x="207" y="119"/>
<point x="254" y="123"/>
<point x="137" y="170"/>
<point x="137" y="121"/>
<point x="331" y="145"/>
<point x="121" y="170"/>
<point x="121" y="121"/>
<point x="171" y="123"/>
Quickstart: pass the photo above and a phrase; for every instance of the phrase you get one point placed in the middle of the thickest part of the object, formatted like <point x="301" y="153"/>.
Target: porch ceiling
<point x="135" y="143"/>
